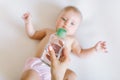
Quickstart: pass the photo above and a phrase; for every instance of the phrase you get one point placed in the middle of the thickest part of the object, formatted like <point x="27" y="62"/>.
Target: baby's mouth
<point x="65" y="29"/>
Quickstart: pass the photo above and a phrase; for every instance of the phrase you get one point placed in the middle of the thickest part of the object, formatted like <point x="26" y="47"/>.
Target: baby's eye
<point x="63" y="19"/>
<point x="72" y="23"/>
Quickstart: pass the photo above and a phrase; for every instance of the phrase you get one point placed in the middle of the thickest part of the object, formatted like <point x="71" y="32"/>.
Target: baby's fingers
<point x="26" y="15"/>
<point x="103" y="46"/>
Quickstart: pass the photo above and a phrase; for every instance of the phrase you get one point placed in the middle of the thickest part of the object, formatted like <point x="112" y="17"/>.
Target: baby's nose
<point x="65" y="26"/>
<point x="67" y="23"/>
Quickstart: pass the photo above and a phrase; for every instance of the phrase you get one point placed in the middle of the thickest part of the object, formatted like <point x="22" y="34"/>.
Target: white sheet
<point x="101" y="20"/>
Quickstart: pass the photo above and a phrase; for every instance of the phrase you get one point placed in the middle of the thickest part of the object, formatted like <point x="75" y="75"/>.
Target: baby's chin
<point x="61" y="27"/>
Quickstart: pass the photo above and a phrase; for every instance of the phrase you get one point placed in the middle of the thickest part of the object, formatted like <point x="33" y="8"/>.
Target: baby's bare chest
<point x="43" y="43"/>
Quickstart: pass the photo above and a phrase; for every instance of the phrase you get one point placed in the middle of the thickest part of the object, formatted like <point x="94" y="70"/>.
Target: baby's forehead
<point x="70" y="14"/>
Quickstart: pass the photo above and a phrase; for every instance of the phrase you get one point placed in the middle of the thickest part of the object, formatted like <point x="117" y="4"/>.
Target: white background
<point x="101" y="21"/>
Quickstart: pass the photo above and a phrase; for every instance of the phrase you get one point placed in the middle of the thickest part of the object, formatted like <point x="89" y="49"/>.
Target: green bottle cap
<point x="61" y="32"/>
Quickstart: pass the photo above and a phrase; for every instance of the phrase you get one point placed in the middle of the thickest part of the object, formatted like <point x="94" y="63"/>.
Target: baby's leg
<point x="30" y="75"/>
<point x="70" y="75"/>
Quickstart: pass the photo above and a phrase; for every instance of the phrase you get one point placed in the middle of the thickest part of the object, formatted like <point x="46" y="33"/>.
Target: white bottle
<point x="57" y="42"/>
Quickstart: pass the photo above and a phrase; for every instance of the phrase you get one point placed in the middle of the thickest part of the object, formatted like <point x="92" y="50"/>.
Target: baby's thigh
<point x="30" y="75"/>
<point x="70" y="75"/>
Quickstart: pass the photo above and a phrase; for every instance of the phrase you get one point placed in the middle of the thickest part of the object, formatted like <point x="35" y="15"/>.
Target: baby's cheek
<point x="59" y="25"/>
<point x="70" y="31"/>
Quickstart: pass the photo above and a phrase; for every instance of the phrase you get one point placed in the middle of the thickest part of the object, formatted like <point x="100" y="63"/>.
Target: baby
<point x="69" y="19"/>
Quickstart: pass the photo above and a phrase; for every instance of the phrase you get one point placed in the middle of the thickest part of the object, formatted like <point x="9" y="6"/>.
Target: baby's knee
<point x="30" y="75"/>
<point x="70" y="75"/>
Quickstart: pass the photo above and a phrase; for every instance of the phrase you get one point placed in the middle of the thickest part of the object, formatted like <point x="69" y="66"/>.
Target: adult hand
<point x="58" y="66"/>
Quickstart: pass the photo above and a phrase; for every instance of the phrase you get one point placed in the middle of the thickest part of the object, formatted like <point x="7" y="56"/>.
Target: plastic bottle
<point x="57" y="42"/>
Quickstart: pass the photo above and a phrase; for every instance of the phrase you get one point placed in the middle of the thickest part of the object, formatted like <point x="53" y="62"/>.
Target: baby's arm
<point x="99" y="46"/>
<point x="31" y="32"/>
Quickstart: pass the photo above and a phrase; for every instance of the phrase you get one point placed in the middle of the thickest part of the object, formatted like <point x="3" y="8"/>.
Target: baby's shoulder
<point x="49" y="31"/>
<point x="71" y="38"/>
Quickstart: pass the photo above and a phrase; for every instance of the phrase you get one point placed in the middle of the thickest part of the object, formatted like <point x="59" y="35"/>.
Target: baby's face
<point x="68" y="20"/>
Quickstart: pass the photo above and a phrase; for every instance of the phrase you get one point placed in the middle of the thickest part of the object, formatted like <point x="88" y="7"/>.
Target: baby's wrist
<point x="95" y="49"/>
<point x="27" y="22"/>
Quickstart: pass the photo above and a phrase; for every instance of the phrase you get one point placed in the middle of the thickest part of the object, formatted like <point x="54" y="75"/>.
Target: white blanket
<point x="101" y="21"/>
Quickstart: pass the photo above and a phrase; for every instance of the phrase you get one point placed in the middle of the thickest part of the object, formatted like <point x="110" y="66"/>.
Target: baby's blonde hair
<point x="72" y="8"/>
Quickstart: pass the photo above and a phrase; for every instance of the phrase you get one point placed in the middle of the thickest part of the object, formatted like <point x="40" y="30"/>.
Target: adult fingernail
<point x="50" y="48"/>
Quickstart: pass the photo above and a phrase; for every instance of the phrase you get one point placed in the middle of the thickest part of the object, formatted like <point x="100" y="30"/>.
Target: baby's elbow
<point x="31" y="35"/>
<point x="77" y="53"/>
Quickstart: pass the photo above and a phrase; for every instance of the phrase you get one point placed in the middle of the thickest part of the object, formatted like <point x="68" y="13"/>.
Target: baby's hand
<point x="26" y="17"/>
<point x="101" y="46"/>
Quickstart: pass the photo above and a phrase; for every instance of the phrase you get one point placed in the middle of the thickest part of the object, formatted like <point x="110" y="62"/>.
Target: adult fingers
<point x="52" y="54"/>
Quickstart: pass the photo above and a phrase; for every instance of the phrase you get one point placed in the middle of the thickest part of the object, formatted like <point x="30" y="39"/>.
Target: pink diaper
<point x="37" y="65"/>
